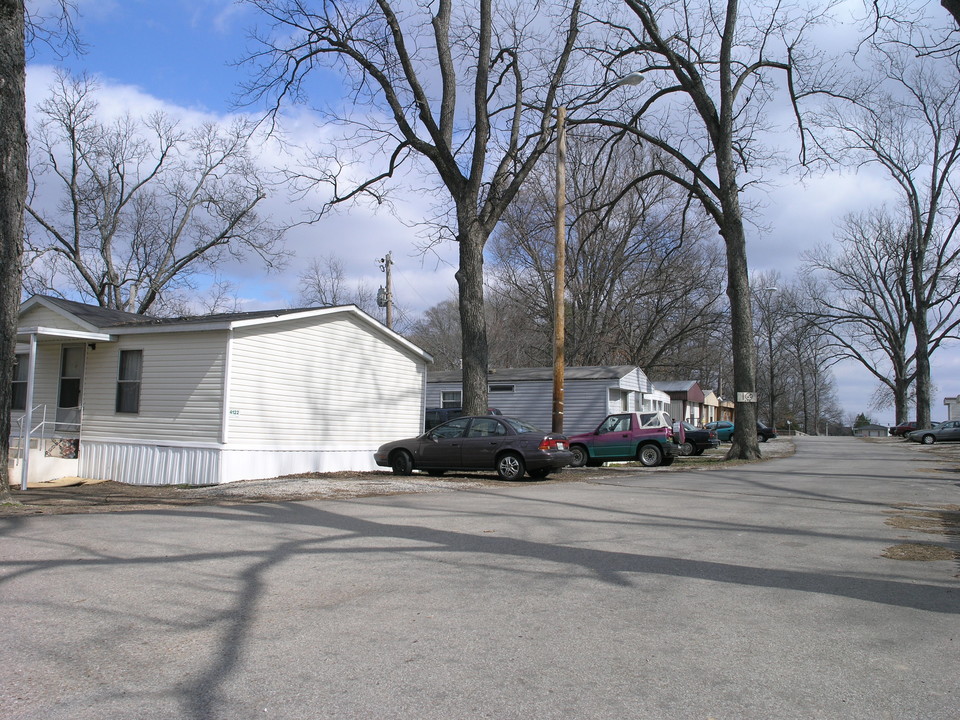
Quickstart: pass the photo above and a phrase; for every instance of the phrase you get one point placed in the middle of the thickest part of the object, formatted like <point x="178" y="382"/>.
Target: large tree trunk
<point x="922" y="335"/>
<point x="953" y="7"/>
<point x="806" y="399"/>
<point x="901" y="391"/>
<point x="744" y="444"/>
<point x="13" y="193"/>
<point x="920" y="241"/>
<point x="473" y="326"/>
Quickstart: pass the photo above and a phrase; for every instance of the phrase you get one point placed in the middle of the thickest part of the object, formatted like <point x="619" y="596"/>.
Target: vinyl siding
<point x="45" y="382"/>
<point x="39" y="316"/>
<point x="332" y="383"/>
<point x="180" y="390"/>
<point x="585" y="402"/>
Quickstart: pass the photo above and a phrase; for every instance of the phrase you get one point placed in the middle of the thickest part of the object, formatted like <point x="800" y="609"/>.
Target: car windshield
<point x="520" y="426"/>
<point x="688" y="426"/>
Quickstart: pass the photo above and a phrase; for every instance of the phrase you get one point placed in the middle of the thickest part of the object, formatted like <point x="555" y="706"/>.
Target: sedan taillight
<point x="549" y="443"/>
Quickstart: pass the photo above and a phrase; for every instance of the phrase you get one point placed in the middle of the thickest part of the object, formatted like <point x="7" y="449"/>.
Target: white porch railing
<point x="53" y="431"/>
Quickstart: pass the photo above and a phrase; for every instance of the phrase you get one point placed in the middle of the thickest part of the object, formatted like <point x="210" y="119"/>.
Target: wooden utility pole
<point x="559" y="270"/>
<point x="385" y="295"/>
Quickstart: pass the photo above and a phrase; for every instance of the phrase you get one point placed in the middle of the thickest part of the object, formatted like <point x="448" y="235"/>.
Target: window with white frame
<point x="451" y="398"/>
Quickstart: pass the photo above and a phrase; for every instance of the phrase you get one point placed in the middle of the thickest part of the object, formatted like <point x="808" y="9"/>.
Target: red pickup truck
<point x="645" y="436"/>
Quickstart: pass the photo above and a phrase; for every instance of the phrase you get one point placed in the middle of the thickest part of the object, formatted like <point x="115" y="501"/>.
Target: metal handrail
<point x="45" y="429"/>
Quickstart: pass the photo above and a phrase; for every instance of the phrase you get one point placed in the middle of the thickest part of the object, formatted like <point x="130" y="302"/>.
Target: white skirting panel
<point x="149" y="464"/>
<point x="265" y="463"/>
<point x="166" y="465"/>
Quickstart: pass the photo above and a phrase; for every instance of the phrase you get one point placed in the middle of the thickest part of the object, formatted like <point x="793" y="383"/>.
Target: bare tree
<point x="469" y="92"/>
<point x="13" y="186"/>
<point x="768" y="300"/>
<point x="438" y="332"/>
<point x="711" y="72"/>
<point x="862" y="304"/>
<point x="219" y="296"/>
<point x="921" y="27"/>
<point x="325" y="282"/>
<point x="17" y="28"/>
<point x="639" y="278"/>
<point x="517" y="339"/>
<point x="141" y="204"/>
<point x="796" y="351"/>
<point x="910" y="126"/>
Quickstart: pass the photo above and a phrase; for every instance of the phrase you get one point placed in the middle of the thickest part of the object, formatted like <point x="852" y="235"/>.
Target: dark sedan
<point x="695" y="440"/>
<point x="509" y="446"/>
<point x="724" y="430"/>
<point x="902" y="429"/>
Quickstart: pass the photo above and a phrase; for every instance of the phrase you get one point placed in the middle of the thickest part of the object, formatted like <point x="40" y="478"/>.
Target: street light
<point x="634" y="78"/>
<point x="560" y="256"/>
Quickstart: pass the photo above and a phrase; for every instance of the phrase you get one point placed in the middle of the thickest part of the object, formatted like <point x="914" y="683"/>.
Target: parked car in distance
<point x="435" y="416"/>
<point x="765" y="433"/>
<point x="724" y="430"/>
<point x="694" y="440"/>
<point x="903" y="428"/>
<point x="646" y="436"/>
<point x="509" y="446"/>
<point x="939" y="432"/>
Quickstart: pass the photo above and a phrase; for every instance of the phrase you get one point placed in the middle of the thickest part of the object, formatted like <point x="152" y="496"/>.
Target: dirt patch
<point x="78" y="496"/>
<point x="919" y="552"/>
<point x="112" y="496"/>
<point x="938" y="520"/>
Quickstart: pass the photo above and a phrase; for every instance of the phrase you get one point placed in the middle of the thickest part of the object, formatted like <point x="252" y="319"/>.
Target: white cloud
<point x="358" y="235"/>
<point x="801" y="215"/>
<point x="797" y="216"/>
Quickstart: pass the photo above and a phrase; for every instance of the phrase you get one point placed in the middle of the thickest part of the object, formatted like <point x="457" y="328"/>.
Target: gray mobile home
<point x="590" y="393"/>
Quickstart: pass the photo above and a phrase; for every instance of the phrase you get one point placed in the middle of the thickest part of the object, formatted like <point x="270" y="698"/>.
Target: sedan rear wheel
<point x="510" y="466"/>
<point x="650" y="455"/>
<point x="402" y="463"/>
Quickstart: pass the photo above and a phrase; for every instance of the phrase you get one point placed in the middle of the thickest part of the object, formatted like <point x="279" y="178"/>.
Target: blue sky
<point x="183" y="55"/>
<point x="180" y="52"/>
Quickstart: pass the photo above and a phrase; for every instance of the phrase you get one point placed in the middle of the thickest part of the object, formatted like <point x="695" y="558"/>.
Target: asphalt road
<point x="758" y="591"/>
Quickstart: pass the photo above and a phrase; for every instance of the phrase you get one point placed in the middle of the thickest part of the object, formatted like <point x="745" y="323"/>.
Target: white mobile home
<point x="590" y="393"/>
<point x="111" y="395"/>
